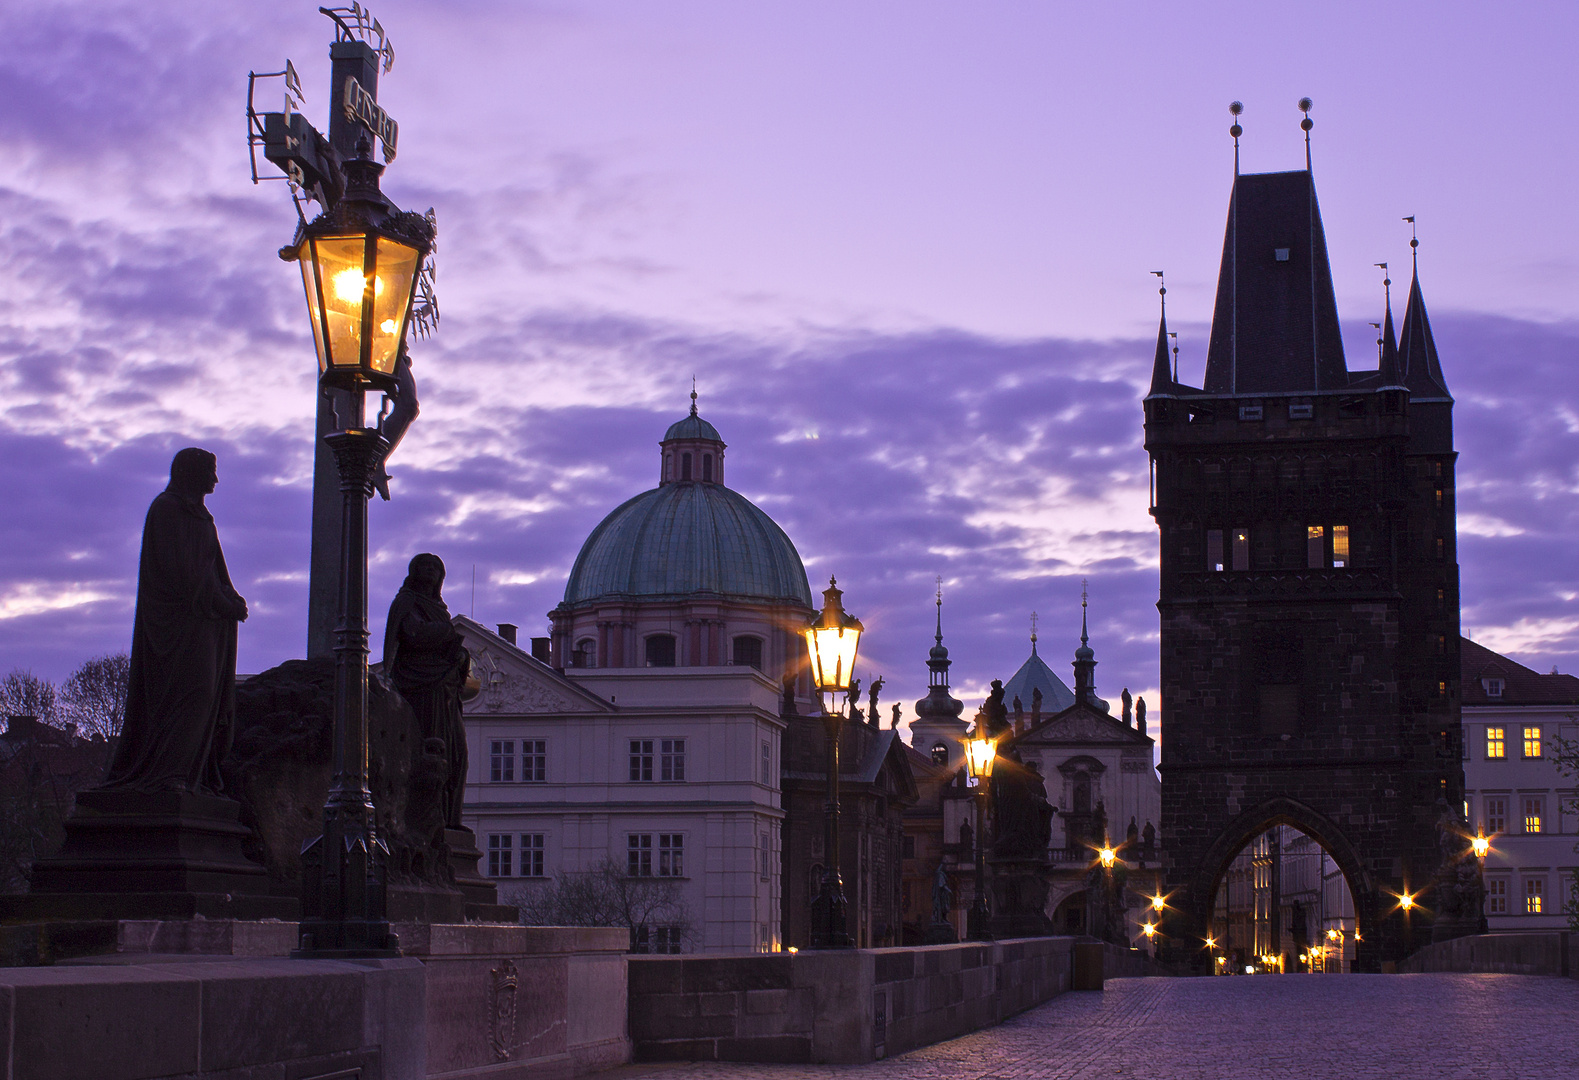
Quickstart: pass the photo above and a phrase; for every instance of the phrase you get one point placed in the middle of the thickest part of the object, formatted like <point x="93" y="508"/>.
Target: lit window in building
<point x="532" y="855"/>
<point x="1214" y="549"/>
<point x="500" y="855"/>
<point x="671" y="760"/>
<point x="501" y="761"/>
<point x="1496" y="896"/>
<point x="671" y="855"/>
<point x="534" y="761"/>
<point x="1495" y="747"/>
<point x="1496" y="815"/>
<point x="1532" y="742"/>
<point x="1532" y="815"/>
<point x="1534" y="894"/>
<point x="1241" y="549"/>
<point x="1315" y="547"/>
<point x="1340" y="545"/>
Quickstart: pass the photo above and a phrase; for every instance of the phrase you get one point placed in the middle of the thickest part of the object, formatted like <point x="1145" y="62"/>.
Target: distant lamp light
<point x="1158" y="903"/>
<point x="1480" y="845"/>
<point x="831" y="644"/>
<point x="1149" y="929"/>
<point x="980" y="754"/>
<point x="1249" y="969"/>
<point x="1107" y="855"/>
<point x="792" y="949"/>
<point x="1406" y="901"/>
<point x="1211" y="943"/>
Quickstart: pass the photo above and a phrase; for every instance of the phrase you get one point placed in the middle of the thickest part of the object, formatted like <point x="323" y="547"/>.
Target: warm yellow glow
<point x="832" y="642"/>
<point x="1357" y="936"/>
<point x="1332" y="935"/>
<point x="1158" y="903"/>
<point x="1481" y="846"/>
<point x="1150" y="929"/>
<point x="980" y="753"/>
<point x="1406" y="901"/>
<point x="1211" y="943"/>
<point x="349" y="285"/>
<point x="387" y="326"/>
<point x="792" y="949"/>
<point x="1107" y="855"/>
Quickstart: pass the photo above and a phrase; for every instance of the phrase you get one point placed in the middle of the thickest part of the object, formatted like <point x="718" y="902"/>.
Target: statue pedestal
<point x="162" y="855"/>
<point x="481" y="893"/>
<point x="1019" y="898"/>
<point x="939" y="933"/>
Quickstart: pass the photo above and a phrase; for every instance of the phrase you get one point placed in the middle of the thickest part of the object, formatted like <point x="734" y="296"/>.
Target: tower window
<point x="1340" y="545"/>
<point x="1280" y="254"/>
<point x="685" y="466"/>
<point x="748" y="652"/>
<point x="707" y="468"/>
<point x="1241" y="549"/>
<point x="1214" y="549"/>
<point x="660" y="650"/>
<point x="1300" y="410"/>
<point x="1249" y="412"/>
<point x="939" y="753"/>
<point x="1315" y="547"/>
<point x="1441" y="549"/>
<point x="1441" y="599"/>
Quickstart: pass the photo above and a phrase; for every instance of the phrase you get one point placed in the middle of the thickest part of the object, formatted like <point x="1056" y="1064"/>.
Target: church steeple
<point x="1162" y="383"/>
<point x="1391" y="372"/>
<point x="938" y="714"/>
<point x="1085" y="661"/>
<point x="1421" y="369"/>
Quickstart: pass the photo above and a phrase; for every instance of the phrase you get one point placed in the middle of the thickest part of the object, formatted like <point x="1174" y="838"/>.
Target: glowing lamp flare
<point x="831" y="643"/>
<point x="1149" y="929"/>
<point x="1158" y="903"/>
<point x="1211" y="943"/>
<point x="1406" y="901"/>
<point x="1480" y="845"/>
<point x="1107" y="855"/>
<point x="980" y="754"/>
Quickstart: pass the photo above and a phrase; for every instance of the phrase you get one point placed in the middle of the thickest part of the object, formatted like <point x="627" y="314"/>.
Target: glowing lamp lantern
<point x="1158" y="903"/>
<point x="359" y="288"/>
<point x="1150" y="929"/>
<point x="1480" y="845"/>
<point x="1406" y="901"/>
<point x="1107" y="855"/>
<point x="980" y="754"/>
<point x="831" y="644"/>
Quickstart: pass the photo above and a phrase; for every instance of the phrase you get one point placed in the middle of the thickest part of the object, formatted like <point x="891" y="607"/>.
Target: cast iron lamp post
<point x="359" y="263"/>
<point x="831" y="644"/>
<point x="980" y="754"/>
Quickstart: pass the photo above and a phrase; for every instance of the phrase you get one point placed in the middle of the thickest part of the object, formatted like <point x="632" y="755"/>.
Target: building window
<point x="1493" y="687"/>
<point x="1441" y="644"/>
<point x="1439" y="498"/>
<point x="1495" y="747"/>
<point x="767" y="764"/>
<point x="660" y="650"/>
<point x="1340" y="546"/>
<point x="585" y="654"/>
<point x="501" y="761"/>
<point x="500" y="855"/>
<point x="1441" y="689"/>
<point x="1315" y="547"/>
<point x="532" y="855"/>
<point x="748" y="652"/>
<point x="1441" y="549"/>
<point x="765" y="857"/>
<point x="656" y="939"/>
<point x="534" y="761"/>
<point x="909" y="848"/>
<point x="1534" y="895"/>
<point x="939" y="753"/>
<point x="1532" y="742"/>
<point x="671" y="855"/>
<point x="638" y="855"/>
<point x="1496" y="896"/>
<point x="1241" y="549"/>
<point x="1532" y="815"/>
<point x="707" y="468"/>
<point x="1496" y="815"/>
<point x="641" y="760"/>
<point x="671" y="760"/>
<point x="685" y="466"/>
<point x="1441" y="599"/>
<point x="1214" y="549"/>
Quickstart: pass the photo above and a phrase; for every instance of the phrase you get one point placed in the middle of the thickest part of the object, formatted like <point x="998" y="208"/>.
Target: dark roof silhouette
<point x="1421" y="369"/>
<point x="1275" y="325"/>
<point x="1520" y="685"/>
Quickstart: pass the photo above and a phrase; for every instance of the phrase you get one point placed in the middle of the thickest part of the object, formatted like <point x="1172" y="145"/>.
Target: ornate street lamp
<point x="1480" y="846"/>
<point x="359" y="262"/>
<point x="980" y="754"/>
<point x="831" y="644"/>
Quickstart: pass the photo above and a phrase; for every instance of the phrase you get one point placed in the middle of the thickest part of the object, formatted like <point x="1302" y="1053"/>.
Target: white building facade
<point x="1514" y="793"/>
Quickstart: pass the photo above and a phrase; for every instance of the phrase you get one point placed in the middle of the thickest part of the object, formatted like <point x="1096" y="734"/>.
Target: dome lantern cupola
<point x="691" y="451"/>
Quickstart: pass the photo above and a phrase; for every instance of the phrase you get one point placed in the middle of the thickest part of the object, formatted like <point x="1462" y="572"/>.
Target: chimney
<point x="541" y="649"/>
<point x="507" y="631"/>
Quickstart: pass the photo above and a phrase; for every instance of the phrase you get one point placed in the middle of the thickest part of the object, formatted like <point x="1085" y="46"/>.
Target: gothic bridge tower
<point x="1309" y="582"/>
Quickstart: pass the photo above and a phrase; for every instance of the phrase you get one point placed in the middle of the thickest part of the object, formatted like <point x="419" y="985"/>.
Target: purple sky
<point x="903" y="246"/>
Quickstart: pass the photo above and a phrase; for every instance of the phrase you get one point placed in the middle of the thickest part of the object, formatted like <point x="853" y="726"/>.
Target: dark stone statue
<point x="871" y="697"/>
<point x="180" y="697"/>
<point x="898" y="709"/>
<point x="942" y="896"/>
<point x="426" y="660"/>
<point x="1022" y="817"/>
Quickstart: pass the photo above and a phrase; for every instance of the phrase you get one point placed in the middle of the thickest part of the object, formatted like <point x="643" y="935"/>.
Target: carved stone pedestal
<point x="939" y="933"/>
<point x="480" y="893"/>
<point x="166" y="855"/>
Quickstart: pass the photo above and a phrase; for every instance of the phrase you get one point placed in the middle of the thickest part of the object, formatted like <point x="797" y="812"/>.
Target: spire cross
<point x="693" y="395"/>
<point x="940" y="610"/>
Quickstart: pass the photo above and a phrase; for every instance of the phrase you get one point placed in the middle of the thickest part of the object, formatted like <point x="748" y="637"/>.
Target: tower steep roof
<point x="1422" y="371"/>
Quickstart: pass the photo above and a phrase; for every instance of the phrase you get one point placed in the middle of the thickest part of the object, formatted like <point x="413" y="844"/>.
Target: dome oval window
<point x="660" y="650"/>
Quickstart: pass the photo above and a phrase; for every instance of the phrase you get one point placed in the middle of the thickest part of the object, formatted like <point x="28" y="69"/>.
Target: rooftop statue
<point x="180" y="699"/>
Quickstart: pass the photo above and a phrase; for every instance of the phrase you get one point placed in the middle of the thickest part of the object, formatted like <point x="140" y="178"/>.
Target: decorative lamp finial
<point x="1306" y="124"/>
<point x="1174" y="334"/>
<point x="1235" y="108"/>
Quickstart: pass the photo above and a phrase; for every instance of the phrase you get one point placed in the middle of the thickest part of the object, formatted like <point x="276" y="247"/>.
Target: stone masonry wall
<point x="835" y="1007"/>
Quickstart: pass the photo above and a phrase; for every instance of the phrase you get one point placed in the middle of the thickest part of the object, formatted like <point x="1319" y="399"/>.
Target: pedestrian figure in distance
<point x="181" y="693"/>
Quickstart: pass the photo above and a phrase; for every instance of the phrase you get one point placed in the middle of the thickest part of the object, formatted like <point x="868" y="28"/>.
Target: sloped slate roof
<point x="1521" y="685"/>
<point x="1034" y="674"/>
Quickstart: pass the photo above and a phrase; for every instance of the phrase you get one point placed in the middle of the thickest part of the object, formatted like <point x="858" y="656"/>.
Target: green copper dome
<point x="688" y="537"/>
<point x="692" y="427"/>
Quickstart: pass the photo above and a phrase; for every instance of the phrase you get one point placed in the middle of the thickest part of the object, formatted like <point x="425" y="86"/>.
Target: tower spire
<point x="1033" y="633"/>
<point x="1161" y="383"/>
<point x="1085" y="659"/>
<point x="693" y="395"/>
<point x="940" y="610"/>
<point x="1387" y="362"/>
<point x="1417" y="358"/>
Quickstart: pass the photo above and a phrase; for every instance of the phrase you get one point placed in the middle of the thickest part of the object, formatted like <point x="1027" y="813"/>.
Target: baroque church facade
<point x="663" y="732"/>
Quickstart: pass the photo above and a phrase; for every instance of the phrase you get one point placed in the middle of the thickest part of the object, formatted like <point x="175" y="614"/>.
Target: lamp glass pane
<point x="314" y="311"/>
<point x="393" y="277"/>
<point x="813" y="658"/>
<point x="835" y="648"/>
<point x="340" y="273"/>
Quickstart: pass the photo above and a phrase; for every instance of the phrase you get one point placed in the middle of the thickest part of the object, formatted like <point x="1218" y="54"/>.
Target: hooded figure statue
<point x="181" y="690"/>
<point x="426" y="659"/>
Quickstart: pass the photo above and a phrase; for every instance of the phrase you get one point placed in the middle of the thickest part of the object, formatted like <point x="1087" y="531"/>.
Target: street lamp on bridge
<point x="831" y="645"/>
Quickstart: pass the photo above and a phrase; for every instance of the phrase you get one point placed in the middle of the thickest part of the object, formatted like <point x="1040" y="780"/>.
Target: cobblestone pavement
<point x="1347" y="1027"/>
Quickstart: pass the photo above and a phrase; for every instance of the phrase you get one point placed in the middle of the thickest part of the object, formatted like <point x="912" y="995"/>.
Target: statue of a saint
<point x="425" y="658"/>
<point x="942" y="896"/>
<point x="871" y="697"/>
<point x="181" y="692"/>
